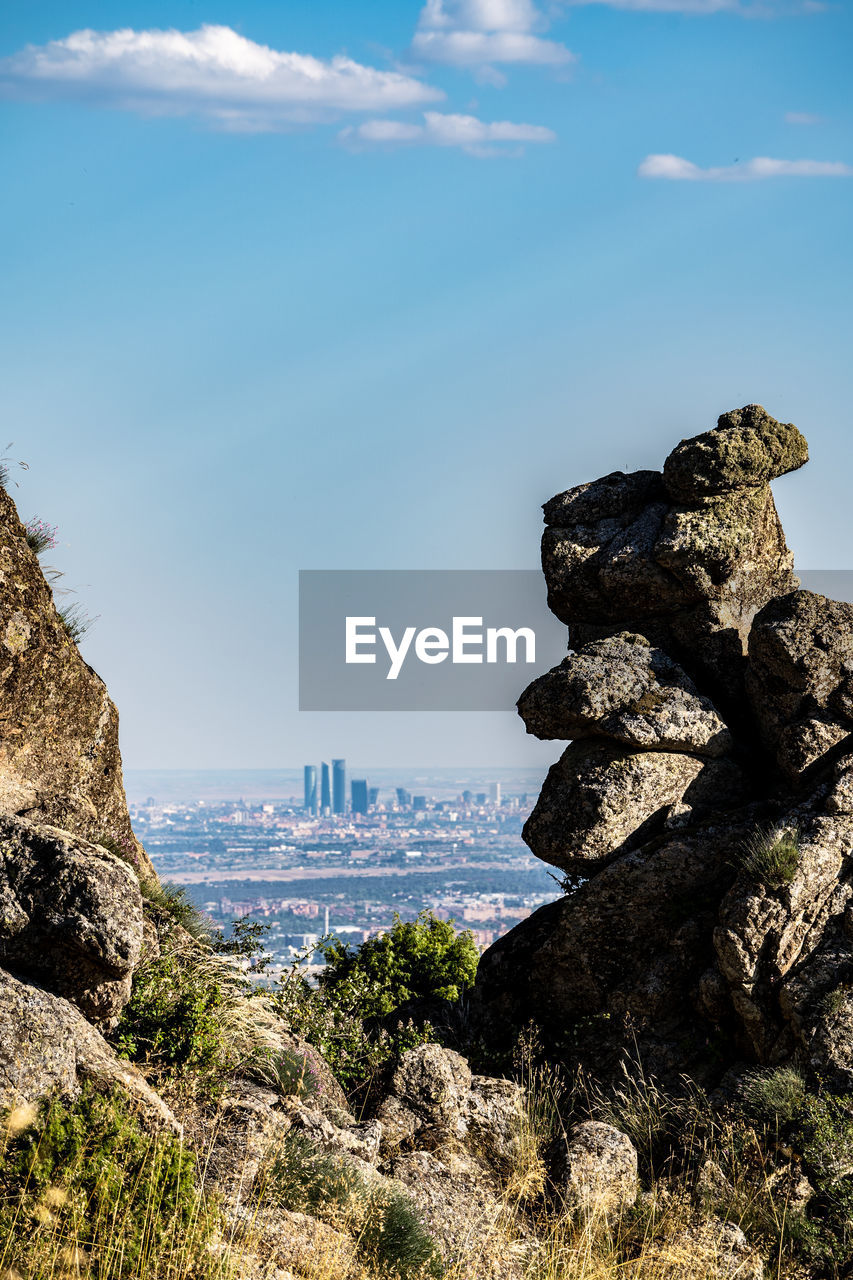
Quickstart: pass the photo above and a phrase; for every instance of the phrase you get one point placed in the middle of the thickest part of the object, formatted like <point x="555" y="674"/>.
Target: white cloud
<point x="746" y="8"/>
<point x="676" y="169"/>
<point x="482" y="33"/>
<point x="477" y="137"/>
<point x="480" y="15"/>
<point x="802" y="117"/>
<point x="212" y="72"/>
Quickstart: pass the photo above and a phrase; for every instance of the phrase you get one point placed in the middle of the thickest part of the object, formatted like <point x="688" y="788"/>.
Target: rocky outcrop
<point x="59" y="755"/>
<point x="434" y="1101"/>
<point x="686" y="562"/>
<point x="704" y="807"/>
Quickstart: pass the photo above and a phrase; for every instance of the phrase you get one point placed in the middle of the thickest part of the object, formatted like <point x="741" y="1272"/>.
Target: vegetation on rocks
<point x="86" y="1191"/>
<point x="374" y="1002"/>
<point x="770" y="857"/>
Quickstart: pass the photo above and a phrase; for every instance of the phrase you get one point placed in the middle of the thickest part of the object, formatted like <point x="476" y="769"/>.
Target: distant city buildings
<point x="311" y="788"/>
<point x="339" y="786"/>
<point x="300" y="868"/>
<point x="359" y="794"/>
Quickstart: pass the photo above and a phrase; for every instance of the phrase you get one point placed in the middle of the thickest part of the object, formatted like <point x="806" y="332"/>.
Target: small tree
<point x="421" y="959"/>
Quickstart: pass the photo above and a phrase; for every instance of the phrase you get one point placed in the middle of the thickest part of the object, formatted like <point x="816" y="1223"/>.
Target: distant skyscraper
<point x="404" y="797"/>
<point x="418" y="802"/>
<point x="495" y="792"/>
<point x="311" y="788"/>
<point x="325" y="790"/>
<point x="339" y="786"/>
<point x="372" y="797"/>
<point x="358" y="788"/>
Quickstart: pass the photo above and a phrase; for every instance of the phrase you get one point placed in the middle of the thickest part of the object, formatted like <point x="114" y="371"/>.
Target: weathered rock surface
<point x="70" y="915"/>
<point x="601" y="800"/>
<point x="685" y="561"/>
<point x="435" y="1102"/>
<point x="595" y="1170"/>
<point x="624" y="689"/>
<point x="47" y="1046"/>
<point x="59" y="755"/>
<point x="746" y="448"/>
<point x="800" y="677"/>
<point x="707" y="702"/>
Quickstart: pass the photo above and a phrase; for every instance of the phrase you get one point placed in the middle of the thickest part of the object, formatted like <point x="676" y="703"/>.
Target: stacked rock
<point x="707" y="704"/>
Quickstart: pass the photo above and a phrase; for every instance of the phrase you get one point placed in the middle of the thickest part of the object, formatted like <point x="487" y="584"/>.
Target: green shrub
<point x="174" y="1018"/>
<point x="390" y="1237"/>
<point x="362" y="1015"/>
<point x="359" y="1051"/>
<point x="291" y="1072"/>
<point x="394" y="1241"/>
<point x="771" y="856"/>
<point x="421" y="959"/>
<point x="86" y="1181"/>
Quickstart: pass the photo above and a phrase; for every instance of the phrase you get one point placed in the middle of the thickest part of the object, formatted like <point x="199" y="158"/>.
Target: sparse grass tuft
<point x="776" y="1096"/>
<point x="76" y="621"/>
<point x="771" y="856"/>
<point x="174" y="902"/>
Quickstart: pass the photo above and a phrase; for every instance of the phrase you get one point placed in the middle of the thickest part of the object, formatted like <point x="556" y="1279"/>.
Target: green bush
<point x="85" y="1180"/>
<point x="174" y="1018"/>
<point x="421" y="959"/>
<point x="775" y="1096"/>
<point x="391" y="1238"/>
<point x="362" y="1015"/>
<point x="292" y="1073"/>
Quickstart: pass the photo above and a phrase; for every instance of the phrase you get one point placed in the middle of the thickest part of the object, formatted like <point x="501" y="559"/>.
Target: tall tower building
<point x="339" y="786"/>
<point x="358" y="787"/>
<point x="325" y="790"/>
<point x="311" y="788"/>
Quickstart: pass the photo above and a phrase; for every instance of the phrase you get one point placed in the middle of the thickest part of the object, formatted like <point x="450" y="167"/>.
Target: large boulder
<point x="747" y="448"/>
<point x="47" y="1047"/>
<point x="617" y="964"/>
<point x="70" y="916"/>
<point x="595" y="1170"/>
<point x="624" y="689"/>
<point x="685" y="561"/>
<point x="601" y="800"/>
<point x="708" y="899"/>
<point x="59" y="755"/>
<point x="800" y="678"/>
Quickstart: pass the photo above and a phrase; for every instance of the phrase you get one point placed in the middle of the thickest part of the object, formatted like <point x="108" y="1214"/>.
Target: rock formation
<point x="703" y="811"/>
<point x="59" y="755"/>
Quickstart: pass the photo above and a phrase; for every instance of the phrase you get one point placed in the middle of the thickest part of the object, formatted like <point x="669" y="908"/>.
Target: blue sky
<point x="337" y="285"/>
